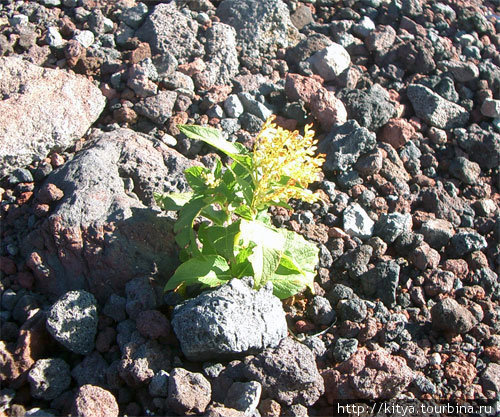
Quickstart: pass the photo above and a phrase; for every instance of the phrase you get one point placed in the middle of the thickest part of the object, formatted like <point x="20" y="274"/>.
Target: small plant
<point x="223" y="227"/>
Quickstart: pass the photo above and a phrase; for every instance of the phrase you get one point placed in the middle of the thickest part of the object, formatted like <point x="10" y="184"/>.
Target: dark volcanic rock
<point x="287" y="373"/>
<point x="257" y="321"/>
<point x="345" y="144"/>
<point x="97" y="237"/>
<point x="372" y="108"/>
<point x="72" y="321"/>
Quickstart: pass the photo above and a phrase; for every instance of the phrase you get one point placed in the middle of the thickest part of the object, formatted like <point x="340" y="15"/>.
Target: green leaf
<point x="266" y="255"/>
<point x="207" y="270"/>
<point x="303" y="253"/>
<point x="210" y="136"/>
<point x="219" y="240"/>
<point x="219" y="217"/>
<point x="194" y="177"/>
<point x="287" y="282"/>
<point x="241" y="266"/>
<point x="184" y="224"/>
<point x="244" y="211"/>
<point x="214" y="138"/>
<point x="172" y="201"/>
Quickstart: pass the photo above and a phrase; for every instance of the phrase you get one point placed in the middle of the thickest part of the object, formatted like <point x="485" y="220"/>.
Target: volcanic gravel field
<point x="404" y="97"/>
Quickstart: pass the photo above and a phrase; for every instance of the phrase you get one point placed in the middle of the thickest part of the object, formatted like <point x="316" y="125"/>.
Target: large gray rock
<point x="262" y="26"/>
<point x="288" y="373"/>
<point x="167" y="29"/>
<point x="230" y="321"/>
<point x="102" y="233"/>
<point x="434" y="109"/>
<point x="72" y="321"/>
<point x="42" y="110"/>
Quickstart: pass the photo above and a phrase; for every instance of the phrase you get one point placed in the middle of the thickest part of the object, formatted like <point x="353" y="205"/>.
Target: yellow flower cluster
<point x="285" y="164"/>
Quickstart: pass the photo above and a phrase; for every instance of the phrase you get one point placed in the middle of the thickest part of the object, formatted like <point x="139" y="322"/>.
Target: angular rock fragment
<point x="72" y="321"/>
<point x="42" y="110"/>
<point x="434" y="109"/>
<point x="288" y="373"/>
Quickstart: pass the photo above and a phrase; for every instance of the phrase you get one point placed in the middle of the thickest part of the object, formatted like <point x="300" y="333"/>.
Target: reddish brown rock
<point x="367" y="375"/>
<point x="91" y="401"/>
<point x="195" y="67"/>
<point x="298" y="87"/>
<point x="270" y="408"/>
<point x="458" y="266"/>
<point x="327" y="109"/>
<point x="397" y="132"/>
<point x="49" y="193"/>
<point x="125" y="115"/>
<point x="7" y="266"/>
<point x="438" y="281"/>
<point x="140" y="53"/>
<point x="462" y="372"/>
<point x="152" y="324"/>
<point x="25" y="279"/>
<point x="188" y="392"/>
<point x="424" y="257"/>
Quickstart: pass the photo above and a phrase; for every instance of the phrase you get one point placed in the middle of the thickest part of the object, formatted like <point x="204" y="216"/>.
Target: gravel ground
<point x="404" y="97"/>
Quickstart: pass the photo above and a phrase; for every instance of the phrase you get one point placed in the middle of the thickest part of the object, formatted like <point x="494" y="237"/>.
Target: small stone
<point x="20" y="175"/>
<point x="364" y="27"/>
<point x="320" y="311"/>
<point x="423" y="257"/>
<point x="466" y="171"/>
<point x="449" y="316"/>
<point x="133" y="16"/>
<point x="157" y="108"/>
<point x="49" y="378"/>
<point x="397" y="132"/>
<point x="188" y="392"/>
<point x="233" y="106"/>
<point x="466" y="241"/>
<point x="344" y="349"/>
<point x="353" y="309"/>
<point x="357" y="222"/>
<point x="257" y="321"/>
<point x="254" y="107"/>
<point x="140" y="296"/>
<point x="49" y="193"/>
<point x="115" y="308"/>
<point x="72" y="321"/>
<point x="152" y="324"/>
<point x="328" y="109"/>
<point x="491" y="108"/>
<point x="330" y="62"/>
<point x="244" y="396"/>
<point x="437" y="232"/>
<point x="19" y="20"/>
<point x="158" y="387"/>
<point x="53" y="37"/>
<point x="93" y="401"/>
<point x="434" y="109"/>
<point x="390" y="226"/>
<point x="85" y="37"/>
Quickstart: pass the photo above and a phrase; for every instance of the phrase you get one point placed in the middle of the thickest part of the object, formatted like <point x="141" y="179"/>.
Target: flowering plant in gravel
<point x="223" y="227"/>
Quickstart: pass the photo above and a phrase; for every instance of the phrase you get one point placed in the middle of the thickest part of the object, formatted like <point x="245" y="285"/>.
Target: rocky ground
<point x="405" y="99"/>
